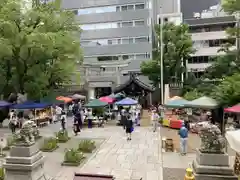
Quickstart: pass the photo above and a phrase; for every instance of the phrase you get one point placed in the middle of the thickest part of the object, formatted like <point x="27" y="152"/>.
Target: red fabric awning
<point x="233" y="109"/>
<point x="81" y="176"/>
<point x="107" y="99"/>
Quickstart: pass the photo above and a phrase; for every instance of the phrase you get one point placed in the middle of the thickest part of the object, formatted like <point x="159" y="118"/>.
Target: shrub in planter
<point x="73" y="157"/>
<point x="49" y="144"/>
<point x="2" y="173"/>
<point x="86" y="146"/>
<point x="62" y="136"/>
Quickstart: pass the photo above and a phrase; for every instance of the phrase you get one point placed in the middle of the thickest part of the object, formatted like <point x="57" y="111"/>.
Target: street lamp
<point x="161" y="84"/>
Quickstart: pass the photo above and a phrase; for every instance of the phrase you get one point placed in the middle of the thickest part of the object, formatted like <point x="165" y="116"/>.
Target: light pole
<point x="161" y="84"/>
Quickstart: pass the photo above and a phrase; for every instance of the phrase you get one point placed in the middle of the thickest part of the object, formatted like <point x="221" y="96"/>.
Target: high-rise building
<point x="117" y="36"/>
<point x="208" y="30"/>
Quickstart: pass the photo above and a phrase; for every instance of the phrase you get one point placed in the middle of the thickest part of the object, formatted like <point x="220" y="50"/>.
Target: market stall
<point x="38" y="112"/>
<point x="97" y="107"/>
<point x="204" y="103"/>
<point x="172" y="116"/>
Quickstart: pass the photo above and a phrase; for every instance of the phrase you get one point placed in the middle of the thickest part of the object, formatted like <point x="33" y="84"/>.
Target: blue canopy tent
<point x="4" y="104"/>
<point x="30" y="105"/>
<point x="126" y="102"/>
<point x="176" y="103"/>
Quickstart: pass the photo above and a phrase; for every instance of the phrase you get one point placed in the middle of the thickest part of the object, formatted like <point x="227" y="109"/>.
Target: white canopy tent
<point x="233" y="139"/>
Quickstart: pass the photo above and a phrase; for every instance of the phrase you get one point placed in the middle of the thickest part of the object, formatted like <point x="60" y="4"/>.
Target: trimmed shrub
<point x="86" y="146"/>
<point x="62" y="136"/>
<point x="49" y="144"/>
<point x="73" y="156"/>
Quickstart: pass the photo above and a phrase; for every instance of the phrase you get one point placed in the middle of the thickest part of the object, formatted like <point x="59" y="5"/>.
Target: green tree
<point x="228" y="91"/>
<point x="38" y="47"/>
<point x="228" y="63"/>
<point x="194" y="94"/>
<point x="177" y="48"/>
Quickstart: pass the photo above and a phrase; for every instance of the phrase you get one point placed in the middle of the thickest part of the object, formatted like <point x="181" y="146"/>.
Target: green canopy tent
<point x="95" y="103"/>
<point x="202" y="102"/>
<point x="176" y="103"/>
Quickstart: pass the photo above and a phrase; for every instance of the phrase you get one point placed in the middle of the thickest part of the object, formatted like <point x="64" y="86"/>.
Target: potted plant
<point x="49" y="144"/>
<point x="73" y="157"/>
<point x="86" y="146"/>
<point x="62" y="136"/>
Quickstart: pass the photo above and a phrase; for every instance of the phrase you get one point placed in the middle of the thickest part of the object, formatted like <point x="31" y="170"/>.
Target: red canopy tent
<point x="107" y="99"/>
<point x="233" y="109"/>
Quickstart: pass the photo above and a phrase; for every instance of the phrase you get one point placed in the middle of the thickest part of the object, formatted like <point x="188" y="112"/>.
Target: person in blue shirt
<point x="183" y="133"/>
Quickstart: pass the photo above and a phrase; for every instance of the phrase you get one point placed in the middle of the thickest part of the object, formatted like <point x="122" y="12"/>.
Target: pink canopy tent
<point x="233" y="109"/>
<point x="107" y="99"/>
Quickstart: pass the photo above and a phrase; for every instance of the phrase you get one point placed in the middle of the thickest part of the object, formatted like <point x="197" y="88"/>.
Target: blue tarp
<point x="30" y="105"/>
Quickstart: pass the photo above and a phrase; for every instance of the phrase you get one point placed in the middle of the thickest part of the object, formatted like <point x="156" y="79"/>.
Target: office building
<point x="117" y="37"/>
<point x="208" y="34"/>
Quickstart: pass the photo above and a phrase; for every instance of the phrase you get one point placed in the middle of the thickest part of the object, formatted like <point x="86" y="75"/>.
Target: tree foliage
<point x="228" y="91"/>
<point x="231" y="6"/>
<point x="177" y="47"/>
<point x="227" y="66"/>
<point x="38" y="47"/>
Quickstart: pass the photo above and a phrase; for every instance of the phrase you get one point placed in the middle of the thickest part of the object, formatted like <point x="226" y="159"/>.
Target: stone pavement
<point x="126" y="160"/>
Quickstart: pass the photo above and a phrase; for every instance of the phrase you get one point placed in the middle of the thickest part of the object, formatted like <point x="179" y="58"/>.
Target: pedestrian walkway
<point x="126" y="160"/>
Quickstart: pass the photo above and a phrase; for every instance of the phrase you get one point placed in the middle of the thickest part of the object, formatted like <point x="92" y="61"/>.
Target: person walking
<point x="63" y="120"/>
<point x="89" y="118"/>
<point x="58" y="113"/>
<point x="183" y="133"/>
<point x="129" y="127"/>
<point x="155" y="119"/>
<point x="13" y="123"/>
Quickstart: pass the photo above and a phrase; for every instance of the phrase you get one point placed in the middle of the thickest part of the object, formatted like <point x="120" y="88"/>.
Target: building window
<point x="106" y="9"/>
<point x="139" y="23"/>
<point x="200" y="59"/>
<point x="141" y="39"/>
<point x="130" y="7"/>
<point x="125" y="57"/>
<point x="107" y="58"/>
<point x="124" y="8"/>
<point x="105" y="42"/>
<point x="143" y="56"/>
<point x="127" y="24"/>
<point x="139" y="6"/>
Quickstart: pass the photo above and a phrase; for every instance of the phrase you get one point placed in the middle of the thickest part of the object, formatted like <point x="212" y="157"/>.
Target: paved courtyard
<point x="126" y="160"/>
